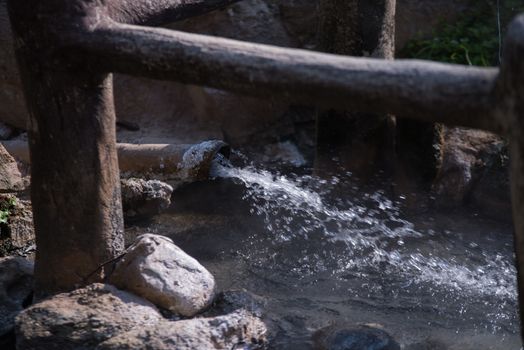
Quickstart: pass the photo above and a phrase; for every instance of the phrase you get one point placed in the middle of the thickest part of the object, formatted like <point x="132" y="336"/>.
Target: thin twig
<point x="102" y="266"/>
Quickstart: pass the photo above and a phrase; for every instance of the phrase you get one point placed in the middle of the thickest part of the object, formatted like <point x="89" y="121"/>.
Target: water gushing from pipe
<point x="377" y="239"/>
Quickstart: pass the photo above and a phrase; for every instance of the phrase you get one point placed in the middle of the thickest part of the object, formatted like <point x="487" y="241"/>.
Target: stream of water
<point x="323" y="251"/>
<point x="376" y="236"/>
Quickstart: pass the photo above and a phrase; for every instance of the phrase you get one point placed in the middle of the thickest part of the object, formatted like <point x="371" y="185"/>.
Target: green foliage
<point x="5" y="209"/>
<point x="474" y="38"/>
<point x="4" y="215"/>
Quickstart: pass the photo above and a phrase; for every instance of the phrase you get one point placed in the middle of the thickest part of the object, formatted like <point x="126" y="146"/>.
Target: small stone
<point x="82" y="319"/>
<point x="361" y="337"/>
<point x="222" y="332"/>
<point x="159" y="271"/>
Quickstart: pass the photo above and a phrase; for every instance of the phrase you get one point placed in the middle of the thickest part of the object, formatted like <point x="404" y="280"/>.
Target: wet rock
<point x="6" y="132"/>
<point x="472" y="167"/>
<point x="145" y="198"/>
<point x="159" y="271"/>
<point x="16" y="286"/>
<point x="363" y="337"/>
<point x="10" y="177"/>
<point x="283" y="153"/>
<point x="491" y="194"/>
<point x="230" y="301"/>
<point x="83" y="318"/>
<point x="237" y="330"/>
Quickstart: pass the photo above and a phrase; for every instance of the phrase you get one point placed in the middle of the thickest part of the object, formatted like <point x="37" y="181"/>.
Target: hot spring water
<point x="322" y="251"/>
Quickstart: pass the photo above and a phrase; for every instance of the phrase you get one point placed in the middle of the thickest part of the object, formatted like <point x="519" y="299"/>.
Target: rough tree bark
<point x="511" y="103"/>
<point x="356" y="28"/>
<point x="75" y="177"/>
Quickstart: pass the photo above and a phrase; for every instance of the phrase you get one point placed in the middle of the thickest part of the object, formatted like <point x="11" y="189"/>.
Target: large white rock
<point x="159" y="271"/>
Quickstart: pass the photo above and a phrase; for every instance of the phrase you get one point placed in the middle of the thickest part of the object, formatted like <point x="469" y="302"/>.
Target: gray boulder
<point x="83" y="318"/>
<point x="239" y="328"/>
<point x="16" y="286"/>
<point x="143" y="198"/>
<point x="159" y="271"/>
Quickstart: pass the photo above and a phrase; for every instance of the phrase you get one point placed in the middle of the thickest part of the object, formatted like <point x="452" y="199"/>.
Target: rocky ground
<point x="144" y="305"/>
<point x="151" y="308"/>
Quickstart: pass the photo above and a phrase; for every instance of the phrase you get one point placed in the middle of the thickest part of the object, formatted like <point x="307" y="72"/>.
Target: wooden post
<point x="363" y="143"/>
<point x="75" y="187"/>
<point x="511" y="93"/>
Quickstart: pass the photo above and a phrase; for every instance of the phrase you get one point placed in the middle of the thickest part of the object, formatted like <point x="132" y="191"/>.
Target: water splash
<point x="376" y="239"/>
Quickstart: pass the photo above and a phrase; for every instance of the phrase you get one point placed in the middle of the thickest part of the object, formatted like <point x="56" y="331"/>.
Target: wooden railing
<point x="67" y="49"/>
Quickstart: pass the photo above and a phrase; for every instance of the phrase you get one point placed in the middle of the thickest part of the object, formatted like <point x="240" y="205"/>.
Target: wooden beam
<point x="451" y="94"/>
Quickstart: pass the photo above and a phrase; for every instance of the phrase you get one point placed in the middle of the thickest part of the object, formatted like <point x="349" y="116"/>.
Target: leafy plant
<point x="5" y="209"/>
<point x="4" y="215"/>
<point x="475" y="38"/>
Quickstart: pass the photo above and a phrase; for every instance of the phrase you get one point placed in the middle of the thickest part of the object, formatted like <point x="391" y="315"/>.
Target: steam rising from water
<point x="375" y="240"/>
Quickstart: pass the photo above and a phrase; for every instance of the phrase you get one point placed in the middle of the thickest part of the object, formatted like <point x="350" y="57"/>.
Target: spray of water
<point x="376" y="238"/>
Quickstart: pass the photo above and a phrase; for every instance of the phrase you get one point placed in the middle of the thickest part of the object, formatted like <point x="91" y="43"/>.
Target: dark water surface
<point x="323" y="251"/>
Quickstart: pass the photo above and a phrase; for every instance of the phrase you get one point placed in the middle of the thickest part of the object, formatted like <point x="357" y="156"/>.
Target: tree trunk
<point x="511" y="102"/>
<point x="75" y="186"/>
<point x="362" y="143"/>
